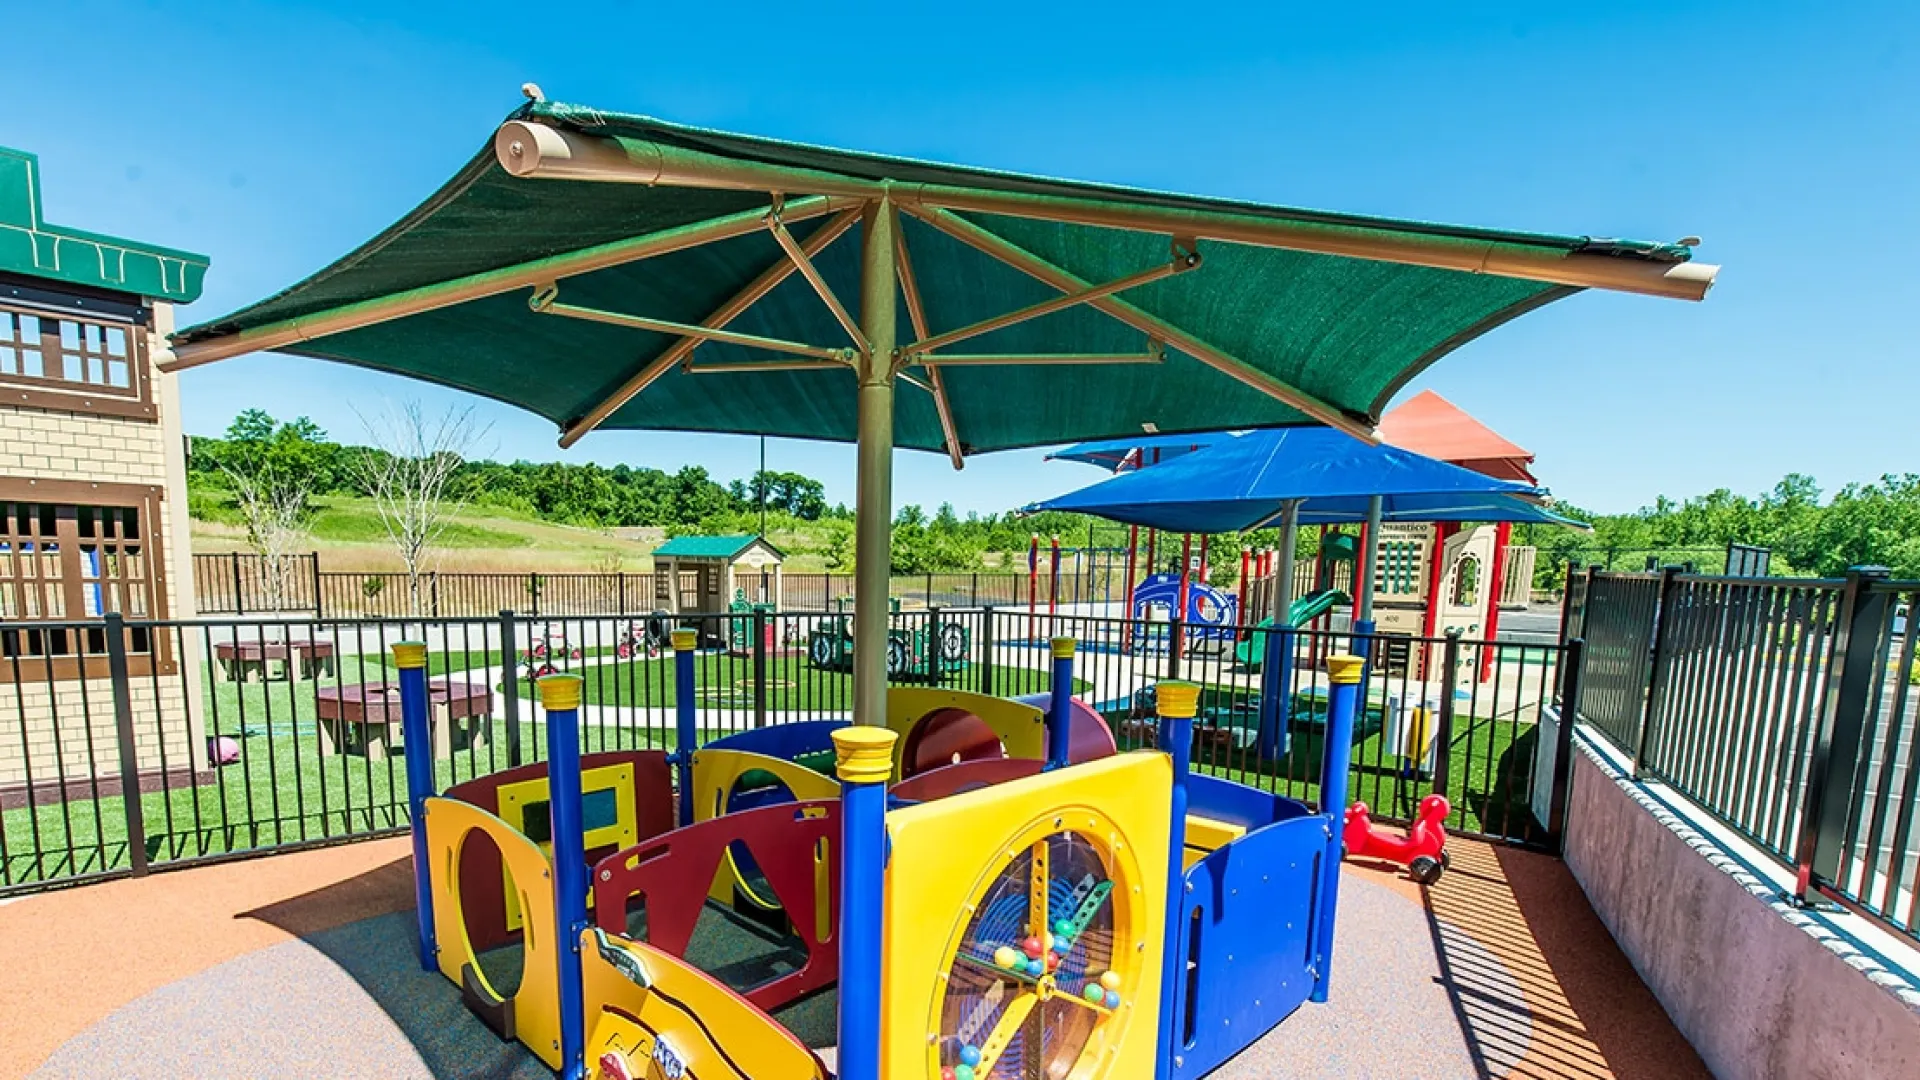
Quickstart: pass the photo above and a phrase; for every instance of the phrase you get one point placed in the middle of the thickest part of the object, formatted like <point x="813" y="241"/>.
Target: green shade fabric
<point x="1349" y="331"/>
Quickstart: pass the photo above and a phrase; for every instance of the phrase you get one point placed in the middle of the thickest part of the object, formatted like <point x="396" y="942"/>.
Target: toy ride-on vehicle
<point x="1423" y="851"/>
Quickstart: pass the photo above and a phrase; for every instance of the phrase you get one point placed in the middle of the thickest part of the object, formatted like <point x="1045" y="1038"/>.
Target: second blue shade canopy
<point x="1243" y="482"/>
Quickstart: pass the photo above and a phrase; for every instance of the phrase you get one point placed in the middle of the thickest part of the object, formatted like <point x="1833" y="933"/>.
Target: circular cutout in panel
<point x="1040" y="979"/>
<point x="490" y="915"/>
<point x="753" y="790"/>
<point x="948" y="737"/>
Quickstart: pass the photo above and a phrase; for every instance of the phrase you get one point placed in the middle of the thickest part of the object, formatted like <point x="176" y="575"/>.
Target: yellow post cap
<point x="1176" y="700"/>
<point x="1062" y="647"/>
<point x="863" y="754"/>
<point x="685" y="639"/>
<point x="409" y="654"/>
<point x="1344" y="668"/>
<point x="559" y="693"/>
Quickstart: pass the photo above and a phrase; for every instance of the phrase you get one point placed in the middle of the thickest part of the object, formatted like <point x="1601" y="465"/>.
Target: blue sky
<point x="276" y="137"/>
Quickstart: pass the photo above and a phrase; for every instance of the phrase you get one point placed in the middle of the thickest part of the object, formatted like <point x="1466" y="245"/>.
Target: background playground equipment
<point x="914" y="903"/>
<point x="1211" y="614"/>
<point x="703" y="575"/>
<point x="1423" y="850"/>
<point x="931" y="649"/>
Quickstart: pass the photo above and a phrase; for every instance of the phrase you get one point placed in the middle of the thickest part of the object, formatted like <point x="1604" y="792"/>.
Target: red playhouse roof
<point x="1430" y="424"/>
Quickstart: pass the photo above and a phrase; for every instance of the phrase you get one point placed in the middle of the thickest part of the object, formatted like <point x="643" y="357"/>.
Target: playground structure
<point x="706" y="575"/>
<point x="980" y="881"/>
<point x="929" y="650"/>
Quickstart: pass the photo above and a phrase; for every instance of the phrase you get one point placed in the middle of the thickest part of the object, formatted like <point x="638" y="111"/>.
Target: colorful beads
<point x="1095" y="993"/>
<point x="1063" y="928"/>
<point x="970" y="1055"/>
<point x="1032" y="947"/>
<point x="963" y="1072"/>
<point x="1007" y="956"/>
<point x="1036" y="968"/>
<point x="1110" y="980"/>
<point x="1113" y="1000"/>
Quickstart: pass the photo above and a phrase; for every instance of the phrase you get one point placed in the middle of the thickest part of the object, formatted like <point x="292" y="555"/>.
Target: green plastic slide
<point x="1252" y="652"/>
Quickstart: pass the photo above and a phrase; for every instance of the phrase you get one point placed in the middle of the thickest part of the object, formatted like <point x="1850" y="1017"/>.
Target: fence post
<point x="433" y="591"/>
<point x="1443" y="731"/>
<point x="759" y="668"/>
<point x="410" y="658"/>
<point x="319" y="609"/>
<point x="973" y="591"/>
<point x="1176" y="630"/>
<point x="1573" y="671"/>
<point x="986" y="650"/>
<point x="620" y="591"/>
<point x="510" y="684"/>
<point x="932" y="646"/>
<point x="686" y="735"/>
<point x="129" y="749"/>
<point x="1657" y="667"/>
<point x="239" y="600"/>
<point x="1836" y="750"/>
<point x="1566" y="604"/>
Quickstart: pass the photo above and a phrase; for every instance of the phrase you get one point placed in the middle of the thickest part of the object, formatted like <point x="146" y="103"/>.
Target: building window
<point x="59" y="360"/>
<point x="74" y="562"/>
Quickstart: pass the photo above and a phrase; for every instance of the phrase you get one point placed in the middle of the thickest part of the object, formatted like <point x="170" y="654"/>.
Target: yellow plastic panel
<point x="713" y="1033"/>
<point x="515" y="799"/>
<point x="1021" y="728"/>
<point x="536" y="1008"/>
<point x="946" y="854"/>
<point x="1206" y="836"/>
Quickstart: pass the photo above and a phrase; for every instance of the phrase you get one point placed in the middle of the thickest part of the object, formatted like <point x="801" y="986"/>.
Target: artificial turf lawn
<point x="284" y="790"/>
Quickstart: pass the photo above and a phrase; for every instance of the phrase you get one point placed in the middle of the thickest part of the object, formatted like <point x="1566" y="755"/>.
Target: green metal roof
<point x="32" y="248"/>
<point x="709" y="547"/>
<point x="1345" y="331"/>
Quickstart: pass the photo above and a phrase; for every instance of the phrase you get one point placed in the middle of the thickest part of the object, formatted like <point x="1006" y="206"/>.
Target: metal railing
<point x="1785" y="708"/>
<point x="272" y="733"/>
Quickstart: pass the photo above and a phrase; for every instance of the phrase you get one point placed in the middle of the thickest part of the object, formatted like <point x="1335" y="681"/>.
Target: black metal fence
<point x="167" y="743"/>
<point x="1786" y="708"/>
<point x="238" y="583"/>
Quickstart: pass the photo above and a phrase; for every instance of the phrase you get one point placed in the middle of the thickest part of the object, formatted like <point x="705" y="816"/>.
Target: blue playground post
<point x="686" y="739"/>
<point x="864" y="763"/>
<point x="1362" y="641"/>
<point x="1060" y="706"/>
<point x="1343" y="698"/>
<point x="1276" y="681"/>
<point x="411" y="658"/>
<point x="560" y="697"/>
<point x="1176" y="702"/>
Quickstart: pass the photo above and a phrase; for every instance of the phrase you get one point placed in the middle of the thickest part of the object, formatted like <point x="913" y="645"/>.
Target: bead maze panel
<point x="1024" y="926"/>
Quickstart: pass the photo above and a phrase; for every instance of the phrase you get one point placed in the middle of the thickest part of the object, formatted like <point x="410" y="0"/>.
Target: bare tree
<point x="273" y="502"/>
<point x="405" y="470"/>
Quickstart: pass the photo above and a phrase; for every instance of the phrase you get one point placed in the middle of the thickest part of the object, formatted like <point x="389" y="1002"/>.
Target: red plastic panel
<point x="671" y="875"/>
<point x="1088" y="736"/>
<point x="966" y="776"/>
<point x="946" y="736"/>
<point x="482" y="897"/>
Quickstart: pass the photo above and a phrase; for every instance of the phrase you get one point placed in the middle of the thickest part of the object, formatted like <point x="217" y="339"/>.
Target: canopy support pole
<point x="936" y="382"/>
<point x="873" y="505"/>
<point x="1369" y="561"/>
<point x="1154" y="327"/>
<point x="1276" y="668"/>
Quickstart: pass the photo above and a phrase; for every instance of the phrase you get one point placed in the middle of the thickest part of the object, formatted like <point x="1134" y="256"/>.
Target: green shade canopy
<point x="1305" y="334"/>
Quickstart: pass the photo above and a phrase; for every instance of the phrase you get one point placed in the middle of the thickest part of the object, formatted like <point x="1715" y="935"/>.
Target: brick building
<point x="93" y="509"/>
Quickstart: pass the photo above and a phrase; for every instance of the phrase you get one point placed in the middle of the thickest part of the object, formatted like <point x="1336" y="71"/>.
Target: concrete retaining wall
<point x="1760" y="989"/>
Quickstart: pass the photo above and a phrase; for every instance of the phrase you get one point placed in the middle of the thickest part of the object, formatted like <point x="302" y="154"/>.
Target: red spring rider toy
<point x="1423" y="851"/>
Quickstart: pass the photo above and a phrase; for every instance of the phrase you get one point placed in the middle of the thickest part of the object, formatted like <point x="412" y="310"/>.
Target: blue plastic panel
<point x="1238" y="804"/>
<point x="1246" y="923"/>
<point x="786" y="741"/>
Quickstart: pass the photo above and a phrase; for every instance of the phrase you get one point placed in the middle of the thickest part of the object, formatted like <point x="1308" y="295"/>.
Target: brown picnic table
<point x="239" y="658"/>
<point x="364" y="718"/>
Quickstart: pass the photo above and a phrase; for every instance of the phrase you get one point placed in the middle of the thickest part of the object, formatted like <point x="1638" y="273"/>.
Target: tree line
<point x="1870" y="523"/>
